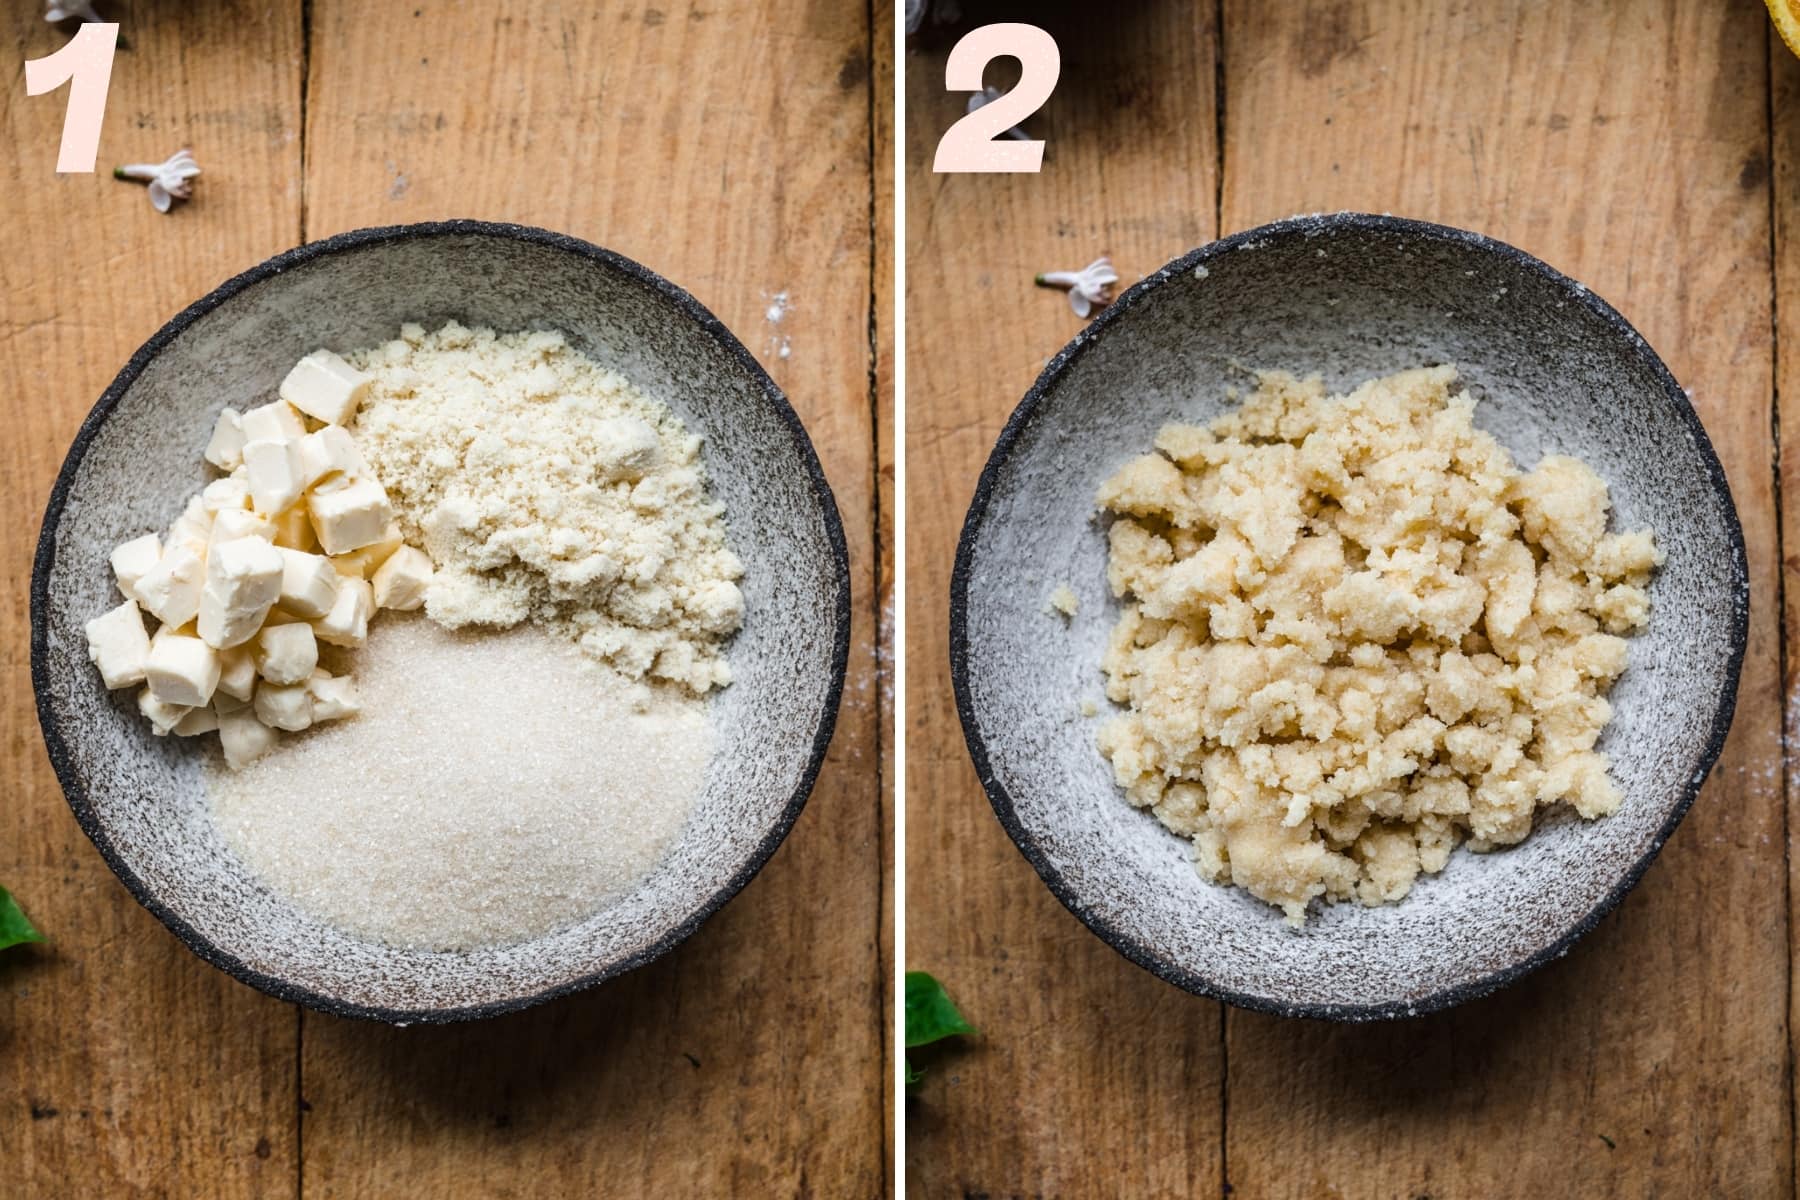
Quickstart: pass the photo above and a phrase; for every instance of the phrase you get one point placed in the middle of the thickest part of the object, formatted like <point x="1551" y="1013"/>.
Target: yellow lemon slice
<point x="1786" y="14"/>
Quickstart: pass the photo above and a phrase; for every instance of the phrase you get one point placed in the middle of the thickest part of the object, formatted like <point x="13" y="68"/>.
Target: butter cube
<point x="324" y="386"/>
<point x="225" y="494"/>
<point x="182" y="670"/>
<point x="237" y="677"/>
<point x="309" y="584"/>
<point x="170" y="591"/>
<point x="225" y="450"/>
<point x="400" y="583"/>
<point x="133" y="560"/>
<point x="161" y="715"/>
<point x="286" y="654"/>
<point x="244" y="738"/>
<point x="362" y="563"/>
<point x="235" y="523"/>
<point x="294" y="531"/>
<point x="333" y="696"/>
<point x="196" y="722"/>
<point x="286" y="706"/>
<point x="225" y="705"/>
<point x="329" y="452"/>
<point x="274" y="422"/>
<point x="347" y="624"/>
<point x="275" y="481"/>
<point x="118" y="645"/>
<point x="243" y="581"/>
<point x="350" y="516"/>
<point x="192" y="528"/>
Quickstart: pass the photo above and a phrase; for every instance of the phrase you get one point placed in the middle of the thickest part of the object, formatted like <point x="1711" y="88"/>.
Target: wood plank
<point x="1627" y="145"/>
<point x="881" y="350"/>
<point x="1090" y="1078"/>
<point x="748" y="1062"/>
<point x="127" y="1065"/>
<point x="1784" y="110"/>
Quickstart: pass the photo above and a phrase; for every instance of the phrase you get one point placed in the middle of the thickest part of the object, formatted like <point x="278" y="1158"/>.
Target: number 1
<point x="85" y="64"/>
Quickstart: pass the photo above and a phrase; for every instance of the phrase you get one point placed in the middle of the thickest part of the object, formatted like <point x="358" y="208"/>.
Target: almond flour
<point x="547" y="489"/>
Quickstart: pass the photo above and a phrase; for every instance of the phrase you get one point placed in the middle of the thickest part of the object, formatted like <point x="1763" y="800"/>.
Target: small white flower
<point x="169" y="180"/>
<point x="1089" y="288"/>
<point x="62" y="10"/>
<point x="987" y="96"/>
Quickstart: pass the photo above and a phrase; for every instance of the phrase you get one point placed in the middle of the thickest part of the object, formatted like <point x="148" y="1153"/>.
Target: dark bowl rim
<point x="696" y="312"/>
<point x="1146" y="957"/>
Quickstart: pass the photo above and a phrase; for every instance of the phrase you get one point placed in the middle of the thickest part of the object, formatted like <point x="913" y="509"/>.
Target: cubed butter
<point x="400" y="583"/>
<point x="324" y="386"/>
<point x="197" y="721"/>
<point x="118" y="645"/>
<point x="333" y="696"/>
<point x="235" y="523"/>
<point x="286" y="654"/>
<point x="182" y="670"/>
<point x="347" y="624"/>
<point x="275" y="480"/>
<point x="294" y="531"/>
<point x="244" y="738"/>
<point x="223" y="704"/>
<point x="329" y="452"/>
<point x="161" y="715"/>
<point x="243" y="581"/>
<point x="222" y="495"/>
<point x="363" y="563"/>
<point x="309" y="583"/>
<point x="225" y="450"/>
<point x="237" y="676"/>
<point x="286" y="706"/>
<point x="273" y="422"/>
<point x="349" y="517"/>
<point x="192" y="528"/>
<point x="133" y="560"/>
<point x="170" y="591"/>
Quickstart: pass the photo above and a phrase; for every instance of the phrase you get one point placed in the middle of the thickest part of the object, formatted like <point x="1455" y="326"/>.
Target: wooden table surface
<point x="1647" y="147"/>
<point x="725" y="143"/>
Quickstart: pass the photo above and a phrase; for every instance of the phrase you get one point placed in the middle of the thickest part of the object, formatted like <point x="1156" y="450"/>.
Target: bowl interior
<point x="136" y="462"/>
<point x="1349" y="298"/>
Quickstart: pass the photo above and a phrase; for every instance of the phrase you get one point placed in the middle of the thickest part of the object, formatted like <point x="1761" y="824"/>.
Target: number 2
<point x="972" y="144"/>
<point x="85" y="64"/>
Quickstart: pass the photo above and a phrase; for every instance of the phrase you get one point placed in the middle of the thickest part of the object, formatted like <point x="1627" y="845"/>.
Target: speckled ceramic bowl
<point x="1555" y="370"/>
<point x="137" y="458"/>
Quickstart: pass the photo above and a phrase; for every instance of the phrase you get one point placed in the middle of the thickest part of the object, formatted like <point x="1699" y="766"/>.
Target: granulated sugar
<point x="496" y="786"/>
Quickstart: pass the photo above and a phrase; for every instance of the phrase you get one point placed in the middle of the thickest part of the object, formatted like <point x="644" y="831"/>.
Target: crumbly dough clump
<point x="1355" y="635"/>
<point x="547" y="488"/>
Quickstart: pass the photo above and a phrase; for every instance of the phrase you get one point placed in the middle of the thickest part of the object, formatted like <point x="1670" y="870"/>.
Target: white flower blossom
<point x="169" y="180"/>
<point x="988" y="95"/>
<point x="62" y="10"/>
<point x="1089" y="288"/>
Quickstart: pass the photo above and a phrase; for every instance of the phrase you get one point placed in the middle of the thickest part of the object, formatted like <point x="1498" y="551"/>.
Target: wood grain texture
<point x="1665" y="1030"/>
<point x="747" y="1061"/>
<point x="1784" y="111"/>
<point x="128" y="1067"/>
<point x="882" y="119"/>
<point x="1089" y="1078"/>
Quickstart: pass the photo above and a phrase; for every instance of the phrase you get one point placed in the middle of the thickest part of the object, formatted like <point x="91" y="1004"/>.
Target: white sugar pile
<point x="495" y="787"/>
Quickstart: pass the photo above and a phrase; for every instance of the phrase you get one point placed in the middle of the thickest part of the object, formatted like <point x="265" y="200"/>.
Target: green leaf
<point x="912" y="1076"/>
<point x="14" y="928"/>
<point x="930" y="1015"/>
